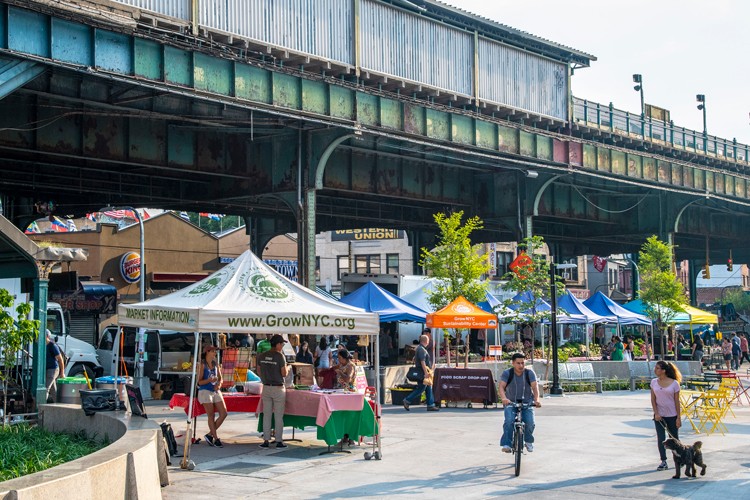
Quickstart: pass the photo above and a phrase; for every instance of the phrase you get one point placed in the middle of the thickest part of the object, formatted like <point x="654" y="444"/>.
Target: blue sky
<point x="682" y="48"/>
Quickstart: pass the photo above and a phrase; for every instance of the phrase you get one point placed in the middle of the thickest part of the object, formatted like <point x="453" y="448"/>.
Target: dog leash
<point x="667" y="429"/>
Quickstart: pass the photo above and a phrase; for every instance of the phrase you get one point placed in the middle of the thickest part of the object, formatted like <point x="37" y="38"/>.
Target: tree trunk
<point x="447" y="351"/>
<point x="466" y="349"/>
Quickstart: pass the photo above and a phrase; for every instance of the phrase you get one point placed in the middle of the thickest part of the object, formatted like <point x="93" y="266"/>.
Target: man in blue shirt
<point x="518" y="384"/>
<point x="55" y="368"/>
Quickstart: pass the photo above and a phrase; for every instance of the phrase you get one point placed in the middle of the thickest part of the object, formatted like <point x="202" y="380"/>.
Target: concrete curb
<point x="134" y="466"/>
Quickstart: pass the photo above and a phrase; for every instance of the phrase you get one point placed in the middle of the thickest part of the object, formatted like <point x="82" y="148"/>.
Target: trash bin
<point x="111" y="383"/>
<point x="68" y="389"/>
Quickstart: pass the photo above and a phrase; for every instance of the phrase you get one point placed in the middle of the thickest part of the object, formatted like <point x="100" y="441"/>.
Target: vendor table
<point x="239" y="403"/>
<point x="464" y="384"/>
<point x="334" y="414"/>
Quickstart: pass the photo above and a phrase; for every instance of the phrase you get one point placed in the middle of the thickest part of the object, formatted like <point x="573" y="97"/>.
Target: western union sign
<point x="372" y="233"/>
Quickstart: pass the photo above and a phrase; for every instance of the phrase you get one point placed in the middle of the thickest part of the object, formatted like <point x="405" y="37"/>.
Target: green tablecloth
<point x="354" y="423"/>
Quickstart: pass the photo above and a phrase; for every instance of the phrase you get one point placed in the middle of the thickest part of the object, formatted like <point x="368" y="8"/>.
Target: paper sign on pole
<point x="495" y="350"/>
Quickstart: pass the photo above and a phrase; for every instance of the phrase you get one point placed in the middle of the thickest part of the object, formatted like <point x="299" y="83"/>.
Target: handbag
<point x="427" y="379"/>
<point x="414" y="374"/>
<point x="317" y="362"/>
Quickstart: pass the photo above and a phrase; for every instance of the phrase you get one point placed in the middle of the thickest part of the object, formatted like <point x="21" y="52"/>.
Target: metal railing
<point x="617" y="121"/>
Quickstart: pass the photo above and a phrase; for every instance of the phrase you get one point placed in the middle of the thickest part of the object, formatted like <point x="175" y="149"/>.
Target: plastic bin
<point x="68" y="389"/>
<point x="112" y="383"/>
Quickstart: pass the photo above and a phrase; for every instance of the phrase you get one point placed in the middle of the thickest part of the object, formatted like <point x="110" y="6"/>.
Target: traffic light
<point x="729" y="265"/>
<point x="706" y="272"/>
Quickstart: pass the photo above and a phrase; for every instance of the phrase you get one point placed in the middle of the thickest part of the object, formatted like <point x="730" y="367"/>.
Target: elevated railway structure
<point x="311" y="115"/>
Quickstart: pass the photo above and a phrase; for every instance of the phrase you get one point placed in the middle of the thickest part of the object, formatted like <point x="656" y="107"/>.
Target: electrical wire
<point x="604" y="209"/>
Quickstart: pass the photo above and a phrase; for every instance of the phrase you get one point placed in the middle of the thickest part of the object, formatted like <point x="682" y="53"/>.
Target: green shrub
<point x="25" y="450"/>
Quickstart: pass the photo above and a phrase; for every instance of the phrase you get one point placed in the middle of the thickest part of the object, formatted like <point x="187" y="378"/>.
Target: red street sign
<point x="521" y="263"/>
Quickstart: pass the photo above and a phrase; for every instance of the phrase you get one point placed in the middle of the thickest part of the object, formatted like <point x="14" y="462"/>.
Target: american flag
<point x="120" y="214"/>
<point x="185" y="216"/>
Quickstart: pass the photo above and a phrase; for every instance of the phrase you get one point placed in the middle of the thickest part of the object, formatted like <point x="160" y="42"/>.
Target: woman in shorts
<point x="210" y="396"/>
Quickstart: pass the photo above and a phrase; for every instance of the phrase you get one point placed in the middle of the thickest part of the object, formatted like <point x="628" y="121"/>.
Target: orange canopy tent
<point x="461" y="314"/>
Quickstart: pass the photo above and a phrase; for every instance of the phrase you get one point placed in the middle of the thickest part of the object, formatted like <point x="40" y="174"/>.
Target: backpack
<point x="513" y="374"/>
<point x="169" y="439"/>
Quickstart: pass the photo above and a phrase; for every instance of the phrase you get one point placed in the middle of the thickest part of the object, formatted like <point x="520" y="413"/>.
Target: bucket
<point x="68" y="389"/>
<point x="112" y="383"/>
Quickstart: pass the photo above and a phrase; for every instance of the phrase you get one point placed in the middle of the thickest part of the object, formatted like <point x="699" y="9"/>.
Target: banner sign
<point x="372" y="233"/>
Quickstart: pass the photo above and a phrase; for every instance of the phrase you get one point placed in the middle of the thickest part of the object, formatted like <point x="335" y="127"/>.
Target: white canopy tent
<point x="248" y="296"/>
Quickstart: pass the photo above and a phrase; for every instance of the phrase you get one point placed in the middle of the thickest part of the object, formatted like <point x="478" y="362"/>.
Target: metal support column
<point x="39" y="370"/>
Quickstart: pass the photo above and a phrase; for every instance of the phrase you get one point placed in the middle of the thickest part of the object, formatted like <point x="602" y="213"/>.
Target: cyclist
<point x="518" y="384"/>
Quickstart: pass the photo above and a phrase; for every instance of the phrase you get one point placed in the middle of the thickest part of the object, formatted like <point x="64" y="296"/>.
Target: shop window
<point x="391" y="263"/>
<point x="342" y="265"/>
<point x="502" y="261"/>
<point x="367" y="264"/>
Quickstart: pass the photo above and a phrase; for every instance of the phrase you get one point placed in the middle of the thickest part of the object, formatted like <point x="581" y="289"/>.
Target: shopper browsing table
<point x="273" y="370"/>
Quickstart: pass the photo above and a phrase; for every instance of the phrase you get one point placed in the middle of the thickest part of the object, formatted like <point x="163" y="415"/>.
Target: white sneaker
<point x="529" y="447"/>
<point x="506" y="449"/>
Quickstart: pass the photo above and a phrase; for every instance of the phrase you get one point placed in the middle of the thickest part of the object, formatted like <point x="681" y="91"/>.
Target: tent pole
<point x="186" y="447"/>
<point x="378" y="408"/>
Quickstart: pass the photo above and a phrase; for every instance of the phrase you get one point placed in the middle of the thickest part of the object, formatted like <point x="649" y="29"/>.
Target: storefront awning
<point x="96" y="288"/>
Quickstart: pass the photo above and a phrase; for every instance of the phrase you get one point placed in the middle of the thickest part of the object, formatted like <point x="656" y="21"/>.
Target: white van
<point x="166" y="351"/>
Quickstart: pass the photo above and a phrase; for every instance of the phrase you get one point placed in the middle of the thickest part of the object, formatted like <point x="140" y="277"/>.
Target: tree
<point x="14" y="335"/>
<point x="456" y="264"/>
<point x="660" y="290"/>
<point x="738" y="298"/>
<point x="534" y="278"/>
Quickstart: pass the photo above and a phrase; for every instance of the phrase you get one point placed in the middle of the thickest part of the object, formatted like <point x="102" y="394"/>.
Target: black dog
<point x="689" y="456"/>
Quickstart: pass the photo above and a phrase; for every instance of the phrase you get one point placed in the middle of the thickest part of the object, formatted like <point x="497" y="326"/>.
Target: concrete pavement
<point x="587" y="446"/>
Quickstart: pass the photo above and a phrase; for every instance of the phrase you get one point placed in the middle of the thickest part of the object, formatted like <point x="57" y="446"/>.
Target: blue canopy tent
<point x="637" y="306"/>
<point x="577" y="312"/>
<point x="389" y="307"/>
<point x="604" y="306"/>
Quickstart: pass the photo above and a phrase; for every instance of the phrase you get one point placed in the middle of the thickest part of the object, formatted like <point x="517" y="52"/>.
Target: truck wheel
<point x="78" y="369"/>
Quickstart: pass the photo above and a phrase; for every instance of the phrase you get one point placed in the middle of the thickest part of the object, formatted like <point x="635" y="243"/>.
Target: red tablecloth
<point x="239" y="403"/>
<point x="319" y="405"/>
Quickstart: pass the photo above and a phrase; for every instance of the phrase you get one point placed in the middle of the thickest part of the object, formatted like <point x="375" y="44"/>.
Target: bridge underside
<point x="87" y="141"/>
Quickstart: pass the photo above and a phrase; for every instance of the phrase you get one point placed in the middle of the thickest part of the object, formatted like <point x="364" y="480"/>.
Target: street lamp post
<point x="139" y="380"/>
<point x="701" y="98"/>
<point x="638" y="79"/>
<point x="556" y="389"/>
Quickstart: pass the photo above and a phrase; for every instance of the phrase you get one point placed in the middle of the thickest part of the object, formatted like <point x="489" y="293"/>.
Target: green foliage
<point x="661" y="291"/>
<point x="739" y="298"/>
<point x="25" y="450"/>
<point x="14" y="334"/>
<point x="535" y="279"/>
<point x="455" y="262"/>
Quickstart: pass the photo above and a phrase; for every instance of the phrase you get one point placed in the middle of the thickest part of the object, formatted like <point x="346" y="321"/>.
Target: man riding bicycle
<point x="518" y="384"/>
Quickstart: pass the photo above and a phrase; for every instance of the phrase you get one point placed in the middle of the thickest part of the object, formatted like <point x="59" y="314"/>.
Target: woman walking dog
<point x="665" y="401"/>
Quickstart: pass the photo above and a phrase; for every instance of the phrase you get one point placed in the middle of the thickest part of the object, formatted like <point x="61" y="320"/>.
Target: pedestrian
<point x="697" y="348"/>
<point x="679" y="347"/>
<point x="323" y="358"/>
<point x="304" y="355"/>
<point x="665" y="402"/>
<point x="55" y="367"/>
<point x="209" y="395"/>
<point x="618" y="349"/>
<point x="629" y="349"/>
<point x="518" y="384"/>
<point x="273" y="371"/>
<point x="384" y="341"/>
<point x="726" y="351"/>
<point x="736" y="351"/>
<point x="423" y="363"/>
<point x="744" y="348"/>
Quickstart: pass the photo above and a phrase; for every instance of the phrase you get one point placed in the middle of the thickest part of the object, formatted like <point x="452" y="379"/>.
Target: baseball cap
<point x="209" y="348"/>
<point x="277" y="339"/>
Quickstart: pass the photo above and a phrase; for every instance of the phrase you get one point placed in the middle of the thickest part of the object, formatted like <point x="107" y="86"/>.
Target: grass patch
<point x="25" y="450"/>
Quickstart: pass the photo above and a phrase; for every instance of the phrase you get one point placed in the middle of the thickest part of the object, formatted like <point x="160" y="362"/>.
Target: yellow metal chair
<point x="733" y="385"/>
<point x="712" y="410"/>
<point x="689" y="401"/>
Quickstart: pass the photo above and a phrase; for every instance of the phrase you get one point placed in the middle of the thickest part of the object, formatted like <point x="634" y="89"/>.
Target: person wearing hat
<point x="273" y="370"/>
<point x="209" y="395"/>
<point x="55" y="367"/>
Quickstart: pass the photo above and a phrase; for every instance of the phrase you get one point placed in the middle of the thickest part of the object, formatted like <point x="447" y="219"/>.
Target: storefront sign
<point x="130" y="267"/>
<point x="78" y="302"/>
<point x="372" y="233"/>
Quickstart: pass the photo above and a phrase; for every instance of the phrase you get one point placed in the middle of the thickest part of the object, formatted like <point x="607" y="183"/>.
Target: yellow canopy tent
<point x="697" y="316"/>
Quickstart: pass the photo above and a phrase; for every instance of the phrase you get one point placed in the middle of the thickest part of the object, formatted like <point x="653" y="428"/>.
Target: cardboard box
<point x="304" y="374"/>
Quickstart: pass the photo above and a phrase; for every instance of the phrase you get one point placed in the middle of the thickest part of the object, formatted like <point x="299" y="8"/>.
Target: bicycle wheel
<point x="518" y="448"/>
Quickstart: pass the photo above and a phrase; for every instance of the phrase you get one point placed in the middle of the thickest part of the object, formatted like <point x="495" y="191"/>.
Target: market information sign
<point x="372" y="233"/>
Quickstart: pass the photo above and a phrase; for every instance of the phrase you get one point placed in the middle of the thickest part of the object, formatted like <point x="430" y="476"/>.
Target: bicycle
<point x="519" y="427"/>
